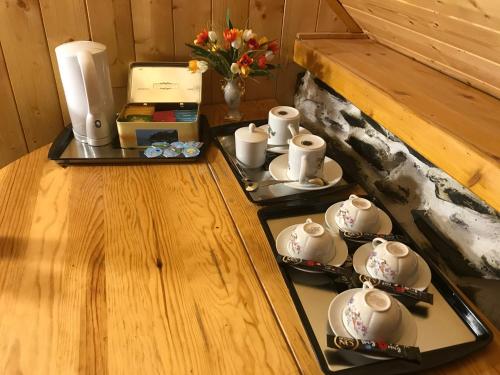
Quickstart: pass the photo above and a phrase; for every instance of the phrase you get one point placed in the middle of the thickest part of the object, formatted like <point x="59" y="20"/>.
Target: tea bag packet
<point x="185" y="115"/>
<point x="164" y="116"/>
<point x="135" y="113"/>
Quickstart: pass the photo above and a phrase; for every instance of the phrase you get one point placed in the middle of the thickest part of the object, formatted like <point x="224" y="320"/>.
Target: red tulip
<point x="230" y="35"/>
<point x="261" y="62"/>
<point x="201" y="38"/>
<point x="273" y="46"/>
<point x="245" y="60"/>
<point x="253" y="44"/>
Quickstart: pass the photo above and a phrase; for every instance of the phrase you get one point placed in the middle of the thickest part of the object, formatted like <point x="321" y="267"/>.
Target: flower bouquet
<point x="235" y="56"/>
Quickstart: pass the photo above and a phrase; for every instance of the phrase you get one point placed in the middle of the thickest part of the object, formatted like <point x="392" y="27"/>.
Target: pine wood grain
<point x="339" y="10"/>
<point x="244" y="215"/>
<point x="482" y="12"/>
<point x="467" y="36"/>
<point x="153" y="29"/>
<point x="265" y="18"/>
<point x="443" y="119"/>
<point x="454" y="61"/>
<point x="293" y="22"/>
<point x="12" y="141"/>
<point x="27" y="58"/>
<point x="328" y="20"/>
<point x="117" y="36"/>
<point x="63" y="22"/>
<point x="132" y="270"/>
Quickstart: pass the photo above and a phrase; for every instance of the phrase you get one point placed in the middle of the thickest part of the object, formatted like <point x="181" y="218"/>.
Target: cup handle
<point x="302" y="170"/>
<point x="292" y="130"/>
<point x="377" y="241"/>
<point x="352" y="196"/>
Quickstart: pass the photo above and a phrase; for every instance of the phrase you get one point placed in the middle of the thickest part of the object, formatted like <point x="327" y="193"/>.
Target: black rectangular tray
<point x="66" y="150"/>
<point x="308" y="299"/>
<point x="279" y="193"/>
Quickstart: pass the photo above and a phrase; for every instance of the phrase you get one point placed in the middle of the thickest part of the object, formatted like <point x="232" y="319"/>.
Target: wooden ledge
<point x="453" y="125"/>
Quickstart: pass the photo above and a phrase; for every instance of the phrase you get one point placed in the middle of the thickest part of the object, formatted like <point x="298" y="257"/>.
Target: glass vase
<point x="233" y="91"/>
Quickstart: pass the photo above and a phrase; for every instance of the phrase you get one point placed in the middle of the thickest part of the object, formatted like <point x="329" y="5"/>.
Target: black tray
<point x="278" y="193"/>
<point x="447" y="304"/>
<point x="66" y="150"/>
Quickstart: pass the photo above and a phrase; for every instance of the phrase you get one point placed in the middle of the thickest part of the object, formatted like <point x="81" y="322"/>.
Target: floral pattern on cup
<point x="379" y="268"/>
<point x="352" y="315"/>
<point x="294" y="245"/>
<point x="345" y="216"/>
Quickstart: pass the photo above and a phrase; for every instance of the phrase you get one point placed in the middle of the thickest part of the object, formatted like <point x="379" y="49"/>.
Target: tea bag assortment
<point x="384" y="279"/>
<point x="149" y="113"/>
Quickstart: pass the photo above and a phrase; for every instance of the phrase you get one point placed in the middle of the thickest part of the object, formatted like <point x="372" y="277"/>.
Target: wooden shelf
<point x="453" y="125"/>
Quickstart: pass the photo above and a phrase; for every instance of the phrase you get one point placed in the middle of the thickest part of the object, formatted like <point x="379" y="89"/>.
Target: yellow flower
<point x="197" y="66"/>
<point x="244" y="71"/>
<point x="263" y="40"/>
<point x="193" y="66"/>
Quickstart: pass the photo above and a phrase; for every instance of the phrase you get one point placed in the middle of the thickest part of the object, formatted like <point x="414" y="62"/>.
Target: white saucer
<point x="339" y="245"/>
<point x="409" y="330"/>
<point x="281" y="149"/>
<point x="421" y="282"/>
<point x="385" y="220"/>
<point x="332" y="172"/>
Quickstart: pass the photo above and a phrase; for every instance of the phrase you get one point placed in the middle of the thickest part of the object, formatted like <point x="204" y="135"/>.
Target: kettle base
<point x="93" y="141"/>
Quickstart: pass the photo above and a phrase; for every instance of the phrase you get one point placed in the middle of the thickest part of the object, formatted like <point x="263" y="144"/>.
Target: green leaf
<point x="260" y="72"/>
<point x="228" y="20"/>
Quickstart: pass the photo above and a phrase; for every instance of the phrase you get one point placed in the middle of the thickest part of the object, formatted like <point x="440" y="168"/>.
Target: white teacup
<point x="358" y="215"/>
<point x="311" y="241"/>
<point x="392" y="261"/>
<point x="280" y="120"/>
<point x="251" y="144"/>
<point x="306" y="157"/>
<point x="372" y="314"/>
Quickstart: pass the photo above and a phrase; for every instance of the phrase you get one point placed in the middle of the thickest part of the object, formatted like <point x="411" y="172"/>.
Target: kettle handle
<point x="89" y="74"/>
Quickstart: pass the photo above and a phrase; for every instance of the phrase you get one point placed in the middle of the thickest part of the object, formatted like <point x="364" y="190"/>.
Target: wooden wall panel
<point x="27" y="58"/>
<point x="293" y="21"/>
<point x="459" y="47"/>
<point x="153" y="29"/>
<point x="117" y="36"/>
<point x="265" y="18"/>
<point x="481" y="12"/>
<point x="63" y="22"/>
<point x="328" y="20"/>
<point x="12" y="143"/>
<point x="133" y="30"/>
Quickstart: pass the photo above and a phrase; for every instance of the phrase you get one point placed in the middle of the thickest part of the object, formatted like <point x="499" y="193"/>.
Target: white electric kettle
<point x="84" y="70"/>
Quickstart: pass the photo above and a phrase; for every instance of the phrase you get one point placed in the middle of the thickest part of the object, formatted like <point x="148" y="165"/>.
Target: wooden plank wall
<point x="457" y="37"/>
<point x="33" y="109"/>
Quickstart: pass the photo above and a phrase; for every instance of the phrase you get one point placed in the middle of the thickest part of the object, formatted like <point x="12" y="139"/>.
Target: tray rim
<point x="63" y="139"/>
<point x="431" y="358"/>
<point x="229" y="129"/>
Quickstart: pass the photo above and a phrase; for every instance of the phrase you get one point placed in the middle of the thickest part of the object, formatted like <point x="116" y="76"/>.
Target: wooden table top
<point x="156" y="269"/>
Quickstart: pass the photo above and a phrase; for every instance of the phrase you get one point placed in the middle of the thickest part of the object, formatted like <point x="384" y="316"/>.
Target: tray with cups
<point x="278" y="160"/>
<point x="372" y="304"/>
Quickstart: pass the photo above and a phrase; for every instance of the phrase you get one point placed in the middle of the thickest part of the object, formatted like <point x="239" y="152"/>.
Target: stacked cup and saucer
<point x="311" y="241"/>
<point x="391" y="261"/>
<point x="371" y="314"/>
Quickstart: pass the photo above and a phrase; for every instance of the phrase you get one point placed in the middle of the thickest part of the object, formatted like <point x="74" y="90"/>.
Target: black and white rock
<point x="402" y="179"/>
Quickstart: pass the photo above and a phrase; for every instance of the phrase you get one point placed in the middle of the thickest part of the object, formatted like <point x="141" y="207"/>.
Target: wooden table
<point x="147" y="269"/>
